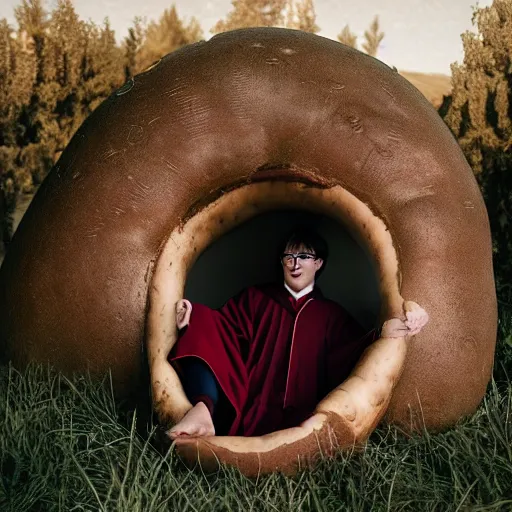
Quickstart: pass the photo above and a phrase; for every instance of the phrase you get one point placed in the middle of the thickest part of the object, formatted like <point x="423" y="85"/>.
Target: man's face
<point x="299" y="272"/>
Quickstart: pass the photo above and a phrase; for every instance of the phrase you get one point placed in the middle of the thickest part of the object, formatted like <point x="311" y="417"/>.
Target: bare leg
<point x="197" y="422"/>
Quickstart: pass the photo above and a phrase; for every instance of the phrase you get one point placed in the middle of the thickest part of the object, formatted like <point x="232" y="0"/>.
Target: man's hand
<point x="183" y="311"/>
<point x="415" y="319"/>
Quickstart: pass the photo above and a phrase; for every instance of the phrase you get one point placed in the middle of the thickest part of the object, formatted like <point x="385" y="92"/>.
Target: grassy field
<point x="66" y="445"/>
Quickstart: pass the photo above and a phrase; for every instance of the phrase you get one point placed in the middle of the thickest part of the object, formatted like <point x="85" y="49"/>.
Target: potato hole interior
<point x="249" y="255"/>
<point x="233" y="243"/>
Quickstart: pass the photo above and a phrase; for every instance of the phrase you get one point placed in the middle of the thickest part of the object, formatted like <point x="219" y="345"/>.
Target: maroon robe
<point x="274" y="358"/>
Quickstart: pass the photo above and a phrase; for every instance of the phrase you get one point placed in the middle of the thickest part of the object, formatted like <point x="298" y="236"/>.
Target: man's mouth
<point x="295" y="274"/>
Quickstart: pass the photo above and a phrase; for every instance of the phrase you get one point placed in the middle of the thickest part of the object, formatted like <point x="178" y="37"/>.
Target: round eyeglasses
<point x="289" y="258"/>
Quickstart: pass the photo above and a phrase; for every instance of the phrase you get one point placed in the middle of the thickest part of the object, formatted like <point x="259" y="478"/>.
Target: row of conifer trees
<point x="55" y="69"/>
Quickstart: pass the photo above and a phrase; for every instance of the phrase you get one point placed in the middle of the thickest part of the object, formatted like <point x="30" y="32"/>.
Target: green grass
<point x="65" y="445"/>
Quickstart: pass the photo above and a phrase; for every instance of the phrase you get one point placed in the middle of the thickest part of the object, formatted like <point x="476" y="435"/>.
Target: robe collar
<point x="278" y="293"/>
<point x="304" y="291"/>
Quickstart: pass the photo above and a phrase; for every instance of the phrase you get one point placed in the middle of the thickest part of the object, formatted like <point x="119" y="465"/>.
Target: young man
<point x="264" y="360"/>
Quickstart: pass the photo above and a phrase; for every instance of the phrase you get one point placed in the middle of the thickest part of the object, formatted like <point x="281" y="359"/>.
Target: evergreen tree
<point x="478" y="113"/>
<point x="32" y="25"/>
<point x="17" y="73"/>
<point x="32" y="21"/>
<point x="102" y="68"/>
<point x="302" y="16"/>
<point x="8" y="94"/>
<point x="169" y="34"/>
<point x="347" y="37"/>
<point x="132" y="46"/>
<point x="52" y="115"/>
<point x="8" y="147"/>
<point x="253" y="13"/>
<point x="373" y="37"/>
<point x="27" y="70"/>
<point x="23" y="80"/>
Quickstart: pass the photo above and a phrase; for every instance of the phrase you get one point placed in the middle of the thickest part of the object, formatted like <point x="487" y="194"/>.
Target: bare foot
<point x="197" y="422"/>
<point x="183" y="311"/>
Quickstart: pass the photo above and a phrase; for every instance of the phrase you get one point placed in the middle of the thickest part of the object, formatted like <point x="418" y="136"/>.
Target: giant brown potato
<point x="217" y="132"/>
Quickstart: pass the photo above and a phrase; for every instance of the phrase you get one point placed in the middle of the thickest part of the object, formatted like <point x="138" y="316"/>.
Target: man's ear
<point x="318" y="264"/>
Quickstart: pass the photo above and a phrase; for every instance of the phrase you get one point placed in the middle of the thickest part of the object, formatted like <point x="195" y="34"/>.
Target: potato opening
<point x="366" y="399"/>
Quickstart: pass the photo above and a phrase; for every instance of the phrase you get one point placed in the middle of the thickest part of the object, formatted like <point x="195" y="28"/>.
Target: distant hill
<point x="432" y="86"/>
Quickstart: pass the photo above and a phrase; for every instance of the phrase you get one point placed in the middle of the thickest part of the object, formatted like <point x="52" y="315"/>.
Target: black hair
<point x="310" y="239"/>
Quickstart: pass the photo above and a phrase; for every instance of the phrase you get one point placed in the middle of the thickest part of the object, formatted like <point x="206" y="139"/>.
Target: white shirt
<point x="304" y="291"/>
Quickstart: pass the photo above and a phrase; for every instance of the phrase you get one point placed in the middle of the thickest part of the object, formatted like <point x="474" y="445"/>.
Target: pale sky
<point x="420" y="35"/>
